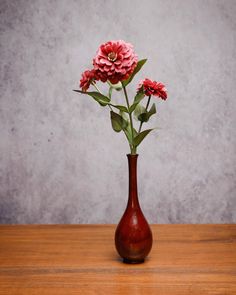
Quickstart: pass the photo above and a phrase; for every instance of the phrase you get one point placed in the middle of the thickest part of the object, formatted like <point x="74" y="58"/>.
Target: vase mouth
<point x="132" y="156"/>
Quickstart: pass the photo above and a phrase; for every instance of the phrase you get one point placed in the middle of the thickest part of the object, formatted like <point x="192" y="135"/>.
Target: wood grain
<point x="81" y="259"/>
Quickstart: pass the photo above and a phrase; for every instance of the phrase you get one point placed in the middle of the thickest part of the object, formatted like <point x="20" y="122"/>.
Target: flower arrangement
<point x="116" y="64"/>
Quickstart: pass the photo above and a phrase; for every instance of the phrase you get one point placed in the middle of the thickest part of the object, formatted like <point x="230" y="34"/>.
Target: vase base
<point x="128" y="261"/>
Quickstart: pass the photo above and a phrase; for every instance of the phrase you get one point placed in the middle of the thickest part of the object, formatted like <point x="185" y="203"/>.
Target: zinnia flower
<point x="153" y="88"/>
<point x="115" y="61"/>
<point x="88" y="77"/>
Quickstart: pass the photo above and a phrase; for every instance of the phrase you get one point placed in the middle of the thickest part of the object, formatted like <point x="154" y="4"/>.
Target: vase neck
<point x="133" y="188"/>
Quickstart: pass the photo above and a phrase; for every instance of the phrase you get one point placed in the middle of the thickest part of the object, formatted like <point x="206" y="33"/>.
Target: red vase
<point x="133" y="237"/>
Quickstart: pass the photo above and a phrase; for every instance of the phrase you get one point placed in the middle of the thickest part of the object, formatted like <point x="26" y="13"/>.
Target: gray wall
<point x="60" y="161"/>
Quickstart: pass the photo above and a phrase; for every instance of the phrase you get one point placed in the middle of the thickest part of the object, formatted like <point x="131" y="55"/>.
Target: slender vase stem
<point x="133" y="189"/>
<point x="132" y="147"/>
<point x="141" y="123"/>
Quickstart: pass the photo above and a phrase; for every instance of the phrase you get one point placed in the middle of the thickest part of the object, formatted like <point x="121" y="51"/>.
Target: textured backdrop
<point x="60" y="161"/>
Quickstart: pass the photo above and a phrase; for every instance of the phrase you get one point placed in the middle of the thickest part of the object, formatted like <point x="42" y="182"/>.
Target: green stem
<point x="132" y="147"/>
<point x="94" y="85"/>
<point x="141" y="123"/>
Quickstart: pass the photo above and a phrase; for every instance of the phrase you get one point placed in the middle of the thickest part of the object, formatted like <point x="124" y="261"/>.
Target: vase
<point x="133" y="236"/>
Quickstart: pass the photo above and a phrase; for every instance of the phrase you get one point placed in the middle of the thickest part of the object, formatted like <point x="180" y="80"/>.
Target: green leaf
<point x="121" y="108"/>
<point x="100" y="98"/>
<point x="124" y="115"/>
<point x="144" y="117"/>
<point x="136" y="70"/>
<point x="132" y="107"/>
<point x="138" y="97"/>
<point x="117" y="122"/>
<point x="139" y="110"/>
<point x="140" y="137"/>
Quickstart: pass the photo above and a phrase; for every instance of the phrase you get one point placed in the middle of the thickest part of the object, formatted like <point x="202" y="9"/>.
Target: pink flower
<point x="115" y="61"/>
<point x="87" y="78"/>
<point x="153" y="88"/>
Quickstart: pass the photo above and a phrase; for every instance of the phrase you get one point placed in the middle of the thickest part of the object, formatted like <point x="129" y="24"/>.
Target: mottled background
<point x="60" y="161"/>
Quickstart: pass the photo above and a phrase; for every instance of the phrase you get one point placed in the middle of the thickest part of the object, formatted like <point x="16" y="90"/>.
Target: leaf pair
<point x="144" y="117"/>
<point x="119" y="123"/>
<point x="139" y="96"/>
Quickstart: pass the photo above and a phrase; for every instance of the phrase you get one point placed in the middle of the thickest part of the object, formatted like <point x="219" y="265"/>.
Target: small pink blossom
<point x="88" y="77"/>
<point x="115" y="61"/>
<point x="153" y="88"/>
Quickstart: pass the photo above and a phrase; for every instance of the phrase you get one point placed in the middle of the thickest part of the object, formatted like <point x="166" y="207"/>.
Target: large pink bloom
<point x="115" y="61"/>
<point x="87" y="78"/>
<point x="153" y="88"/>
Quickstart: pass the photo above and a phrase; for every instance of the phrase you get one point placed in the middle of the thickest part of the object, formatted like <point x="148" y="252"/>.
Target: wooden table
<point x="81" y="259"/>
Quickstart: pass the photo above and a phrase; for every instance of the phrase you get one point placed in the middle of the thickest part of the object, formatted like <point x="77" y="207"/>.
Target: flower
<point x="88" y="77"/>
<point x="153" y="88"/>
<point x="115" y="61"/>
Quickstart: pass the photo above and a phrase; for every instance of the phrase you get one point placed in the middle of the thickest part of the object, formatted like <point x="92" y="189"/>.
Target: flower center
<point x="112" y="56"/>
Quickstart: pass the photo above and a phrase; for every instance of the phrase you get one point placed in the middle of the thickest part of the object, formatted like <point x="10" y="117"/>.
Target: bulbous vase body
<point x="133" y="236"/>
